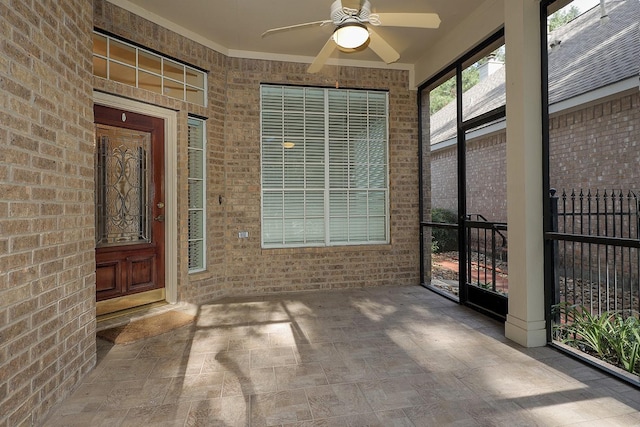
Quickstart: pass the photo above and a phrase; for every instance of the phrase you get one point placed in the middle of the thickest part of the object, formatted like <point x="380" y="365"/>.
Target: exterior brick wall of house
<point x="47" y="212"/>
<point x="251" y="269"/>
<point x="241" y="266"/>
<point x="595" y="147"/>
<point x="444" y="179"/>
<point x="108" y="17"/>
<point x="47" y="282"/>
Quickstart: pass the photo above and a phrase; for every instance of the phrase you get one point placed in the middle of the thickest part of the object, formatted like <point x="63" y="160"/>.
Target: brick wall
<point x="47" y="283"/>
<point x="110" y="18"/>
<point x="593" y="147"/>
<point x="444" y="179"/>
<point x="249" y="269"/>
<point x="486" y="177"/>
<point x="597" y="146"/>
<point x="240" y="266"/>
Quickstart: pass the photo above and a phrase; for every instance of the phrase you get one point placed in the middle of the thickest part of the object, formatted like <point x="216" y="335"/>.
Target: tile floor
<point x="397" y="356"/>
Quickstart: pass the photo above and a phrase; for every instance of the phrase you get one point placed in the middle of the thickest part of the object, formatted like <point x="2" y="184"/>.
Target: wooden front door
<point x="129" y="203"/>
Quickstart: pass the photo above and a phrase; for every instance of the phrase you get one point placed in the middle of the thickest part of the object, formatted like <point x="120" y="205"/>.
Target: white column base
<point x="527" y="334"/>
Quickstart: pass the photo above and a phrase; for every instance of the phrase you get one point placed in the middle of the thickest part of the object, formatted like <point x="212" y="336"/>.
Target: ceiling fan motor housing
<point x="337" y="12"/>
<point x="341" y="14"/>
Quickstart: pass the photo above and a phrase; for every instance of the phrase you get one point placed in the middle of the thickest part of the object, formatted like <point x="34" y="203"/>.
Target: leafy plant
<point x="444" y="239"/>
<point x="625" y="341"/>
<point x="484" y="285"/>
<point x="442" y="95"/>
<point x="611" y="336"/>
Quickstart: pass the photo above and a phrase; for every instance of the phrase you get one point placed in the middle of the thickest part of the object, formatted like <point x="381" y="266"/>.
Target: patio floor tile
<point x="393" y="356"/>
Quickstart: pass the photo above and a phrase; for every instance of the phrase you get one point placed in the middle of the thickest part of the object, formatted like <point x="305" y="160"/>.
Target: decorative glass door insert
<point x="122" y="184"/>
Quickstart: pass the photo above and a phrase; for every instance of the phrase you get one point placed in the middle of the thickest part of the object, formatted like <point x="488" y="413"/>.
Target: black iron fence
<point x="486" y="254"/>
<point x="596" y="241"/>
<point x="483" y="262"/>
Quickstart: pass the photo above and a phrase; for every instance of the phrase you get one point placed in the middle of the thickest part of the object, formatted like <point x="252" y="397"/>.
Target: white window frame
<point x="198" y="236"/>
<point x="383" y="235"/>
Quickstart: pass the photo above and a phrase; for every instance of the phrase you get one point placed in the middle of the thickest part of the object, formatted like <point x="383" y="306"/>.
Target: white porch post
<point x="525" y="322"/>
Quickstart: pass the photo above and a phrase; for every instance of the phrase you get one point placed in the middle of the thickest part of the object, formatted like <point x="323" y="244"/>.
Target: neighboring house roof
<point x="485" y="96"/>
<point x="588" y="53"/>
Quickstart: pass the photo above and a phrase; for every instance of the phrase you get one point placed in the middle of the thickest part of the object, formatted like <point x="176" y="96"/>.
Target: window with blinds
<point x="324" y="166"/>
<point x="196" y="195"/>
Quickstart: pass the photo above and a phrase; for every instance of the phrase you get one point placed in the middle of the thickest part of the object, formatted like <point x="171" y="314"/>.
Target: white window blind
<point x="324" y="166"/>
<point x="196" y="195"/>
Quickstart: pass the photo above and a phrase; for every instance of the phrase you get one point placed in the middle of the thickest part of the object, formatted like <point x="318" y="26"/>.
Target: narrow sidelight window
<point x="197" y="186"/>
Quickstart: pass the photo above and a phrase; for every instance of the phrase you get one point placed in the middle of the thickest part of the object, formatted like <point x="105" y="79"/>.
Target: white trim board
<point x="596" y="95"/>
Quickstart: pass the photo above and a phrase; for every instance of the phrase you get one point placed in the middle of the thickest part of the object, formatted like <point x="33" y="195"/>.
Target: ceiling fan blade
<point x="382" y="48"/>
<point x="322" y="56"/>
<point x="295" y="27"/>
<point x="413" y="20"/>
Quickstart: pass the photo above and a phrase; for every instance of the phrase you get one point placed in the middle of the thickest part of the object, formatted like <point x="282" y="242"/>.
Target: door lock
<point x="159" y="218"/>
<point x="160" y="205"/>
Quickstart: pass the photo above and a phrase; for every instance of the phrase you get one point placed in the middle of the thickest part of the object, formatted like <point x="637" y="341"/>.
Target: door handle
<point x="159" y="218"/>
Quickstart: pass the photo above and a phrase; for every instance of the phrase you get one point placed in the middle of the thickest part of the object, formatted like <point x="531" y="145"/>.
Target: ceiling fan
<point x="352" y="33"/>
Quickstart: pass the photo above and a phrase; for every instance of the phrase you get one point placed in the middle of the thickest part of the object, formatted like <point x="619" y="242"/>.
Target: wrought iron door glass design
<point x="122" y="186"/>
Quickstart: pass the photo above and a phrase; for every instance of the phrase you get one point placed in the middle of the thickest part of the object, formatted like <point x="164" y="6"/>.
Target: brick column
<point x="525" y="321"/>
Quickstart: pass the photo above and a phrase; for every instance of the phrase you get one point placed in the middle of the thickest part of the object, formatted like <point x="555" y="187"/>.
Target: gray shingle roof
<point x="592" y="53"/>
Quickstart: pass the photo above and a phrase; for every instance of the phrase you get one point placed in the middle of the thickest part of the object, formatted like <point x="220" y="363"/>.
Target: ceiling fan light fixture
<point x="351" y="35"/>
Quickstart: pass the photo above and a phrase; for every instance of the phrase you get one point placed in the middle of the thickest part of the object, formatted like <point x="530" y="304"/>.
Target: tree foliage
<point x="561" y="17"/>
<point x="446" y="92"/>
<point x="444" y="239"/>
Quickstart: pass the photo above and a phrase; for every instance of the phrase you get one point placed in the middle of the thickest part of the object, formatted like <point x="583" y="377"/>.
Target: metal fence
<point x="487" y="254"/>
<point x="596" y="236"/>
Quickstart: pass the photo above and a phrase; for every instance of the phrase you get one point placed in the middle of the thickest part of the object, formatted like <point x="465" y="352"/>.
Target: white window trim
<point x="327" y="189"/>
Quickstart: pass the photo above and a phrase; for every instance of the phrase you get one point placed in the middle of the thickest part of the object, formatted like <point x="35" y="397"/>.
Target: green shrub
<point x="611" y="336"/>
<point x="444" y="239"/>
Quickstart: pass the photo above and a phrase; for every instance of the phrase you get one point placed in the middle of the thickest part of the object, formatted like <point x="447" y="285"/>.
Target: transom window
<point x="125" y="63"/>
<point x="324" y="166"/>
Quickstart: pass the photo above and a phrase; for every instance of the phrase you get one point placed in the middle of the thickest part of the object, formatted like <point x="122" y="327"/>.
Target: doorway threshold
<point x="128" y="302"/>
<point x="129" y="312"/>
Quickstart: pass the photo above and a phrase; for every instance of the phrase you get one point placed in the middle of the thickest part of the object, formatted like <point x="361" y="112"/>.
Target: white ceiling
<point x="234" y="27"/>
